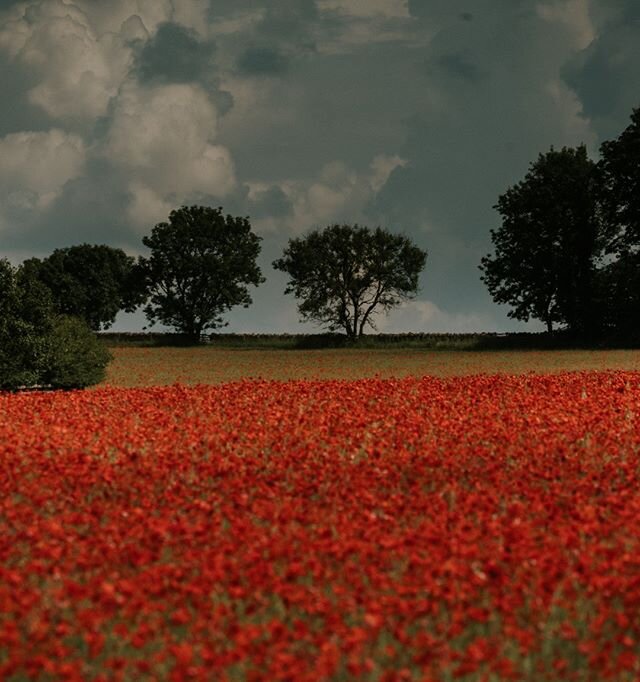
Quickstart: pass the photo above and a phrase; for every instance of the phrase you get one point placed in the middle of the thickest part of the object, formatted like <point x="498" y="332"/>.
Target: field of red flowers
<point x="470" y="528"/>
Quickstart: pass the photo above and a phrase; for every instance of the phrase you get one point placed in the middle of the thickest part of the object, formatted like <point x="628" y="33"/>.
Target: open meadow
<point x="135" y="366"/>
<point x="339" y="516"/>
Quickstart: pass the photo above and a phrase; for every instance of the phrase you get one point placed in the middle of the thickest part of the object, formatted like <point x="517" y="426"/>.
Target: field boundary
<point x="482" y="341"/>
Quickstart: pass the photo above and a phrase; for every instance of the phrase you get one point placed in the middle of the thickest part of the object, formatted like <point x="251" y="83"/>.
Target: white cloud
<point x="77" y="71"/>
<point x="34" y="166"/>
<point x="162" y="138"/>
<point x="382" y="166"/>
<point x="339" y="194"/>
<point x="192" y="13"/>
<point x="146" y="207"/>
<point x="108" y="17"/>
<point x="80" y="53"/>
<point x="573" y="15"/>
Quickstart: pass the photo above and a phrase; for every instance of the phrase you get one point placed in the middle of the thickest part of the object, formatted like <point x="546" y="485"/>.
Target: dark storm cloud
<point x="262" y="61"/>
<point x="606" y="75"/>
<point x="176" y="55"/>
<point x="272" y="202"/>
<point x="350" y="106"/>
<point x="458" y="65"/>
<point x="454" y="99"/>
<point x="291" y="20"/>
<point x="16" y="112"/>
<point x="476" y="139"/>
<point x="83" y="213"/>
<point x="284" y="31"/>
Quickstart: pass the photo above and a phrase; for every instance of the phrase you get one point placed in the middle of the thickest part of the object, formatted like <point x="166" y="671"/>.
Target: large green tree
<point x="200" y="264"/>
<point x="620" y="198"/>
<point x="547" y="248"/>
<point x="90" y="281"/>
<point x="345" y="274"/>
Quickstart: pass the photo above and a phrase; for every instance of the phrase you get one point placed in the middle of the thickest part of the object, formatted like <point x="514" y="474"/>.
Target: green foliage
<point x="76" y="358"/>
<point x="25" y="322"/>
<point x="39" y="347"/>
<point x="345" y="274"/>
<point x="547" y="247"/>
<point x="90" y="281"/>
<point x="200" y="265"/>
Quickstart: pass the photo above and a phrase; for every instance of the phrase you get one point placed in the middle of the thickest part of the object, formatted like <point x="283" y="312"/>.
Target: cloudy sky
<point x="411" y="114"/>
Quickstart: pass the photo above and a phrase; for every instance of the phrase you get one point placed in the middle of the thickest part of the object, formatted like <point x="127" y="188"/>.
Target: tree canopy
<point x="91" y="281"/>
<point x="546" y="249"/>
<point x="345" y="274"/>
<point x="200" y="264"/>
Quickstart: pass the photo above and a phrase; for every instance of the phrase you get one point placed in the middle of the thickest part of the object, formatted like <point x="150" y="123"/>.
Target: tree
<point x="93" y="282"/>
<point x="620" y="173"/>
<point x="345" y="274"/>
<point x="619" y="169"/>
<point x="200" y="265"/>
<point x="547" y="247"/>
<point x="39" y="347"/>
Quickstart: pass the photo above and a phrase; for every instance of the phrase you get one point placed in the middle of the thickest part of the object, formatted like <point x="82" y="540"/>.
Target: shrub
<point x="76" y="358"/>
<point x="38" y="347"/>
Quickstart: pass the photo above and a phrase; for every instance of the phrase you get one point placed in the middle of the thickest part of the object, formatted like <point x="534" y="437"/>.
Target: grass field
<point x="164" y="365"/>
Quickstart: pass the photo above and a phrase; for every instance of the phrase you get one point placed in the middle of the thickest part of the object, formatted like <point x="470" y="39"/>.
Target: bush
<point x="76" y="358"/>
<point x="38" y="347"/>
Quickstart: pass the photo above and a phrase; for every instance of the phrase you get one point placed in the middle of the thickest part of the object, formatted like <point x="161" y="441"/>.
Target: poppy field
<point x="462" y="528"/>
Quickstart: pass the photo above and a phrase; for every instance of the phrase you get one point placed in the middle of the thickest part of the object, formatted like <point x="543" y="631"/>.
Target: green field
<point x="145" y="366"/>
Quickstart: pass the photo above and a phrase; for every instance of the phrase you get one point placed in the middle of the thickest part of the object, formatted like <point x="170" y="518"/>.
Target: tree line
<point x="567" y="253"/>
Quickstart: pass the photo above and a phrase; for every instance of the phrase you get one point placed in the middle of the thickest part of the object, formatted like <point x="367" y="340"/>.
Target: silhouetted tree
<point x="344" y="274"/>
<point x="90" y="281"/>
<point x="200" y="265"/>
<point x="547" y="247"/>
<point x="620" y="197"/>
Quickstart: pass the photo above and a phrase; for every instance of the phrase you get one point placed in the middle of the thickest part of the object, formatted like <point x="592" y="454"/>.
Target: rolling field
<point x="480" y="527"/>
<point x="161" y="366"/>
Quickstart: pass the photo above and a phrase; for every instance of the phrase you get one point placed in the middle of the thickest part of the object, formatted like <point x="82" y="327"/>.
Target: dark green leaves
<point x="200" y="265"/>
<point x="547" y="246"/>
<point x="344" y="274"/>
<point x="93" y="282"/>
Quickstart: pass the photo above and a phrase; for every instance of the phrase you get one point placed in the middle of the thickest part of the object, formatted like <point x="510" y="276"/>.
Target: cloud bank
<point x="401" y="113"/>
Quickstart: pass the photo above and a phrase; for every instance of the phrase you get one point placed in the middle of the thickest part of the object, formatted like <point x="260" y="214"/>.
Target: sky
<point x="413" y="115"/>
